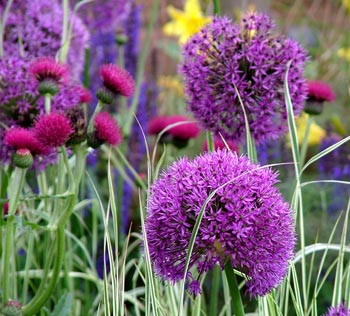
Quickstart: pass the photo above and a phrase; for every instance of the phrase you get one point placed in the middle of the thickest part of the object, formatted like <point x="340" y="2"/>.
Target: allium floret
<point x="107" y="129"/>
<point x="223" y="57"/>
<point x="340" y="310"/>
<point x="53" y="130"/>
<point x="22" y="138"/>
<point x="247" y="222"/>
<point x="117" y="80"/>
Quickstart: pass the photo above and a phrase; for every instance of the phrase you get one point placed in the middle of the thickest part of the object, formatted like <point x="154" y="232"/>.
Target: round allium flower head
<point x="106" y="129"/>
<point x="53" y="130"/>
<point x="247" y="222"/>
<point x="117" y="80"/>
<point x="22" y="138"/>
<point x="251" y="58"/>
<point x="340" y="310"/>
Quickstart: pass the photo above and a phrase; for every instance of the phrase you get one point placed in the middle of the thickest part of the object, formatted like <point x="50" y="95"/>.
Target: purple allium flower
<point x="34" y="29"/>
<point x="340" y="310"/>
<point x="53" y="130"/>
<point x="107" y="129"/>
<point x="117" y="80"/>
<point x="43" y="68"/>
<point x="224" y="55"/>
<point x="246" y="222"/>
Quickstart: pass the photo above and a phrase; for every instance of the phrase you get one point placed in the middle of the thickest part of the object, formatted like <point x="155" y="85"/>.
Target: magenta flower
<point x="178" y="135"/>
<point x="85" y="95"/>
<point x="250" y="57"/>
<point x="247" y="222"/>
<point x="320" y="91"/>
<point x="53" y="130"/>
<point x="107" y="129"/>
<point x="22" y="138"/>
<point x="340" y="310"/>
<point x="117" y="80"/>
<point x="47" y="68"/>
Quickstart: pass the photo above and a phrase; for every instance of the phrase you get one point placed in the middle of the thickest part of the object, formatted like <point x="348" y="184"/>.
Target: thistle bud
<point x="22" y="158"/>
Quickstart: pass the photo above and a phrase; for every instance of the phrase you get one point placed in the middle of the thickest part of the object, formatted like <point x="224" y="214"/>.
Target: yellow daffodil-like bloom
<point x="185" y="23"/>
<point x="344" y="53"/>
<point x="171" y="84"/>
<point x="317" y="133"/>
<point x="346" y="5"/>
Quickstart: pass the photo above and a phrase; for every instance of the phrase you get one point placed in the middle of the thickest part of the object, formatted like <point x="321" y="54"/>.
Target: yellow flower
<point x="344" y="53"/>
<point x="317" y="133"/>
<point x="171" y="84"/>
<point x="185" y="23"/>
<point x="346" y="5"/>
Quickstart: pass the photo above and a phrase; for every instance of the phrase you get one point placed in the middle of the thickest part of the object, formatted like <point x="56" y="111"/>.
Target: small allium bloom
<point x="21" y="138"/>
<point x="107" y="129"/>
<point x="117" y="80"/>
<point x="44" y="68"/>
<point x="320" y="91"/>
<point x="340" y="310"/>
<point x="249" y="56"/>
<point x="53" y="130"/>
<point x="247" y="222"/>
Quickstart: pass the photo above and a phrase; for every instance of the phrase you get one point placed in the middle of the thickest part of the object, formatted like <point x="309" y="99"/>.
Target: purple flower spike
<point x="224" y="56"/>
<point x="246" y="222"/>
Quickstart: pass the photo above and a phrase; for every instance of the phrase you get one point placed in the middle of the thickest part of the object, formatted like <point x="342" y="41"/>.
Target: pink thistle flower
<point x="117" y="80"/>
<point x="320" y="91"/>
<point x="219" y="144"/>
<point x="84" y="95"/>
<point x="107" y="129"/>
<point x="53" y="130"/>
<point x="156" y="125"/>
<point x="47" y="68"/>
<point x="184" y="131"/>
<point x="21" y="138"/>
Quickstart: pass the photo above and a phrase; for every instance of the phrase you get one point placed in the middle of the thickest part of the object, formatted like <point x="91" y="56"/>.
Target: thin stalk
<point x="8" y="255"/>
<point x="216" y="7"/>
<point x="304" y="145"/>
<point x="236" y="300"/>
<point x="47" y="103"/>
<point x="2" y="26"/>
<point x="64" y="37"/>
<point x="35" y="305"/>
<point x="210" y="141"/>
<point x="141" y="69"/>
<point x="98" y="109"/>
<point x="213" y="307"/>
<point x="26" y="268"/>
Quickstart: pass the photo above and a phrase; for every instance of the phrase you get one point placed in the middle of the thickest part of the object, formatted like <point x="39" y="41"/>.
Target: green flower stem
<point x="47" y="103"/>
<point x="236" y="300"/>
<point x="216" y="7"/>
<point x="38" y="301"/>
<point x="305" y="142"/>
<point x="64" y="38"/>
<point x="98" y="109"/>
<point x="213" y="307"/>
<point x="141" y="69"/>
<point x="2" y="26"/>
<point x="15" y="188"/>
<point x="210" y="141"/>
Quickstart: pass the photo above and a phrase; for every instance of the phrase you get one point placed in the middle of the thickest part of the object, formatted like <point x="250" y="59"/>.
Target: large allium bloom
<point x="340" y="310"/>
<point x="247" y="222"/>
<point x="53" y="130"/>
<point x="249" y="56"/>
<point x="34" y="29"/>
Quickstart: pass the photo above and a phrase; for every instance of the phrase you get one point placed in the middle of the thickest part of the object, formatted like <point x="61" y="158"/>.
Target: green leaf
<point x="62" y="308"/>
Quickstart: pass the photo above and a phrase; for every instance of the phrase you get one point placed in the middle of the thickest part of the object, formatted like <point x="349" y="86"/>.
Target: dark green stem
<point x="213" y="307"/>
<point x="236" y="300"/>
<point x="216" y="7"/>
<point x="210" y="141"/>
<point x="35" y="305"/>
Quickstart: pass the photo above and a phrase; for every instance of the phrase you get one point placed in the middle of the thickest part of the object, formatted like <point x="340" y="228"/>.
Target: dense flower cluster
<point x="246" y="222"/>
<point x="106" y="129"/>
<point x="340" y="310"/>
<point x="34" y="29"/>
<point x="224" y="56"/>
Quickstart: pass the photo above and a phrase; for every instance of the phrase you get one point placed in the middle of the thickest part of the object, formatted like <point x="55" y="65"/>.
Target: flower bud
<point x="12" y="308"/>
<point x="22" y="158"/>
